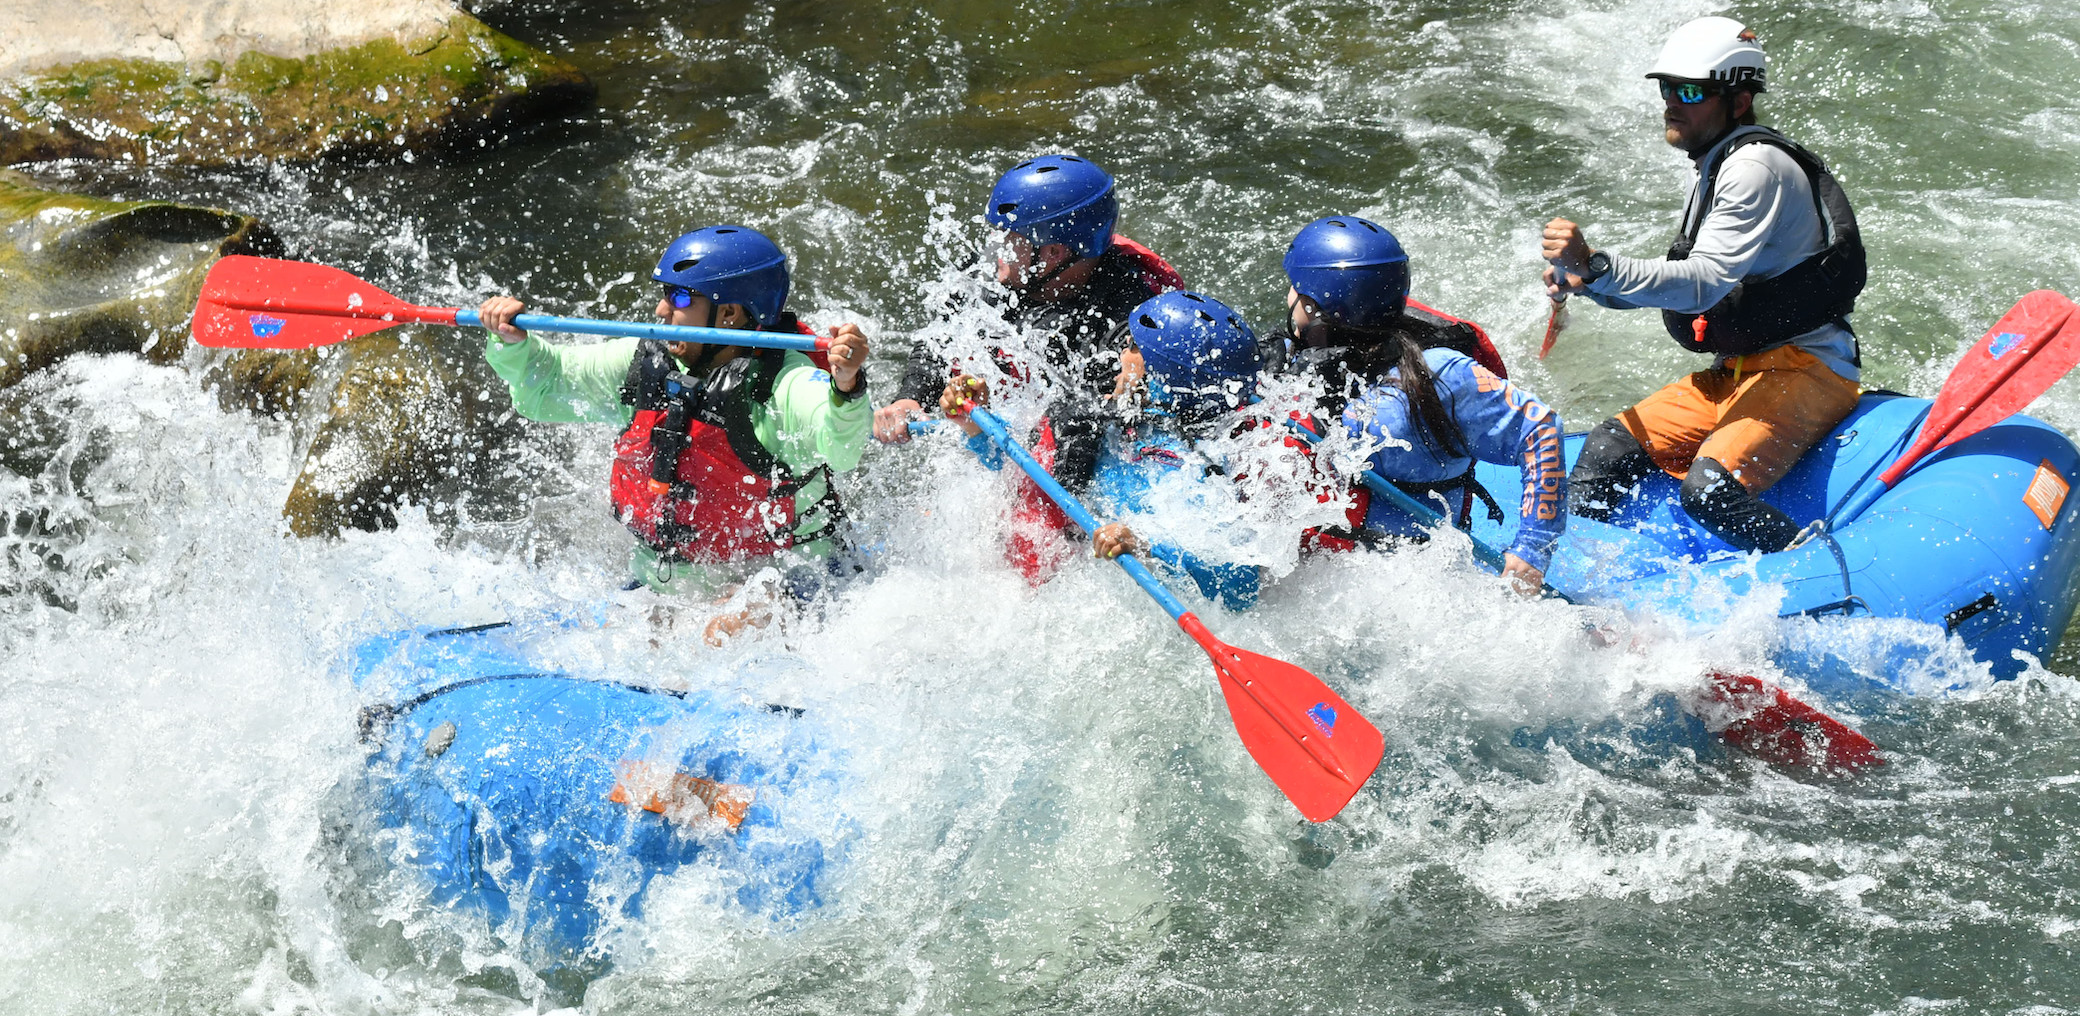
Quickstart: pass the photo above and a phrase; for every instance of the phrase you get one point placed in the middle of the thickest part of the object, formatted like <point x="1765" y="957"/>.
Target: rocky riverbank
<point x="85" y="275"/>
<point x="389" y="419"/>
<point x="427" y="84"/>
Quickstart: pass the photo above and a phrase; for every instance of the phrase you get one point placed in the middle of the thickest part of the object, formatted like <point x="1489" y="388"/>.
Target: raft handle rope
<point x="470" y="630"/>
<point x="1878" y="463"/>
<point x="376" y="718"/>
<point x="1850" y="603"/>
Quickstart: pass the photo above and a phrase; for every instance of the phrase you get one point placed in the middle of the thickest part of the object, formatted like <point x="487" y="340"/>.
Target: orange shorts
<point x="1756" y="415"/>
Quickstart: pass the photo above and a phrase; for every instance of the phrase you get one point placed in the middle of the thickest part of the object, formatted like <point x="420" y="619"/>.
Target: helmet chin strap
<point x="1314" y="335"/>
<point x="1035" y="286"/>
<point x="699" y="350"/>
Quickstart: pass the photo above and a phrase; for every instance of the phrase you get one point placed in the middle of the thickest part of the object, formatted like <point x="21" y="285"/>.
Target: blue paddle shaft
<point x="1071" y="507"/>
<point x="668" y="333"/>
<point x="1427" y="515"/>
<point x="1863" y="502"/>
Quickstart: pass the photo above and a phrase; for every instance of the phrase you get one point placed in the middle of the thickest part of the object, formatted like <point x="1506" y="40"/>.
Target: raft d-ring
<point x="440" y="739"/>
<point x="1845" y="438"/>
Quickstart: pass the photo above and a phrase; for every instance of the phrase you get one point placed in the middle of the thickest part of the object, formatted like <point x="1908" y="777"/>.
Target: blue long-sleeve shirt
<point x="1503" y="424"/>
<point x="1130" y="464"/>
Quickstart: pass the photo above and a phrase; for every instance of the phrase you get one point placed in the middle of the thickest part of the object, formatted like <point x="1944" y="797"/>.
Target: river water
<point x="1049" y="811"/>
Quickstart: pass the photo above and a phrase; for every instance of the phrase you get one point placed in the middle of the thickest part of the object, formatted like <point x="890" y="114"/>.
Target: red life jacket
<point x="1034" y="545"/>
<point x="1155" y="272"/>
<point x="726" y="497"/>
<point x="1459" y="335"/>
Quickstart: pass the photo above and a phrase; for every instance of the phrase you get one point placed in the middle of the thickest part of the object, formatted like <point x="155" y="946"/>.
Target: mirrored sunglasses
<point x="1689" y="93"/>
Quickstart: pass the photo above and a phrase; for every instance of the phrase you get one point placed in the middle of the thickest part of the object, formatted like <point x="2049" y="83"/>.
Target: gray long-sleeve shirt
<point x="1762" y="222"/>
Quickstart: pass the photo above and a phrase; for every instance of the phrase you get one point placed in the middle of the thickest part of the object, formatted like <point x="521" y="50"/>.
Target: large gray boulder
<point x="391" y="419"/>
<point x="86" y="275"/>
<point x="403" y="425"/>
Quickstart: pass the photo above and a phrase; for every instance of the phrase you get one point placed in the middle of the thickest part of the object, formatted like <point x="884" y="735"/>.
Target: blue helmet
<point x="729" y="264"/>
<point x="1353" y="269"/>
<point x="1202" y="357"/>
<point x="1056" y="199"/>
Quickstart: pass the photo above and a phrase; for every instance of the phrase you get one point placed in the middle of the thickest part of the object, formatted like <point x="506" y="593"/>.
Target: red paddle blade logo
<point x="264" y="326"/>
<point x="1324" y="717"/>
<point x="2003" y="342"/>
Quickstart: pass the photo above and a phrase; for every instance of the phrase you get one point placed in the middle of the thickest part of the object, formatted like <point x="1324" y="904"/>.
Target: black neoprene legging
<point x="1612" y="463"/>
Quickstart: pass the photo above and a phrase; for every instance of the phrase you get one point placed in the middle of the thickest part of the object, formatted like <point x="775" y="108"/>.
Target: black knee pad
<point x="1718" y="501"/>
<point x="1611" y="464"/>
<point x="1709" y="489"/>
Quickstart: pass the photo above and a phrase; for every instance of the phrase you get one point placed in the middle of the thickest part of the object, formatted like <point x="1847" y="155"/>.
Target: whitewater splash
<point x="1042" y="777"/>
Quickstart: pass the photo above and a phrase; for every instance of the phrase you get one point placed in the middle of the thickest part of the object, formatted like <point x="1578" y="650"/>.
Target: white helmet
<point x="1712" y="49"/>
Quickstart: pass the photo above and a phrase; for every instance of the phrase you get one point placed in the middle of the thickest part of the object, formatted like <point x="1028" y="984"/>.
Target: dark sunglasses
<point x="680" y="296"/>
<point x="1689" y="93"/>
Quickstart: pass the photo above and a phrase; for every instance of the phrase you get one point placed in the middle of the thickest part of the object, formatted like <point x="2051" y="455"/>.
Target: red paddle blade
<point x="1767" y="722"/>
<point x="1554" y="326"/>
<point x="2000" y="374"/>
<point x="2043" y="366"/>
<point x="1311" y="742"/>
<point x="262" y="303"/>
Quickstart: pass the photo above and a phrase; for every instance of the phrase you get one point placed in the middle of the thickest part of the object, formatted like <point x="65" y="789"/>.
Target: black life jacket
<point x="1079" y="330"/>
<point x="690" y="476"/>
<point x="1354" y="533"/>
<point x="1759" y="313"/>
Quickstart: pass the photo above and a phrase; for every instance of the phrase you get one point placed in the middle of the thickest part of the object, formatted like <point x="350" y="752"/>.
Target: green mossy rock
<point x="378" y="98"/>
<point x="412" y="420"/>
<point x="86" y="275"/>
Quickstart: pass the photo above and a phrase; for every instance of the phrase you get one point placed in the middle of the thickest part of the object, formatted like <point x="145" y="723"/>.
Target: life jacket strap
<point x="828" y="504"/>
<point x="1470" y="489"/>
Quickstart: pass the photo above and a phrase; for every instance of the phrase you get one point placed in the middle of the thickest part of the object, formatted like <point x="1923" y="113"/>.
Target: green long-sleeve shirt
<point x="805" y="425"/>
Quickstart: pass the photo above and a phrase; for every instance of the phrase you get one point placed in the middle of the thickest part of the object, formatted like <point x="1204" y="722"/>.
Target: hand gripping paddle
<point x="262" y="303"/>
<point x="1311" y="742"/>
<point x="1762" y="719"/>
<point x="2033" y="345"/>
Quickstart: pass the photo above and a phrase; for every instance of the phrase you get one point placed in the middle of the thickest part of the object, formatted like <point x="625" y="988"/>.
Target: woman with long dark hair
<point x="1424" y="390"/>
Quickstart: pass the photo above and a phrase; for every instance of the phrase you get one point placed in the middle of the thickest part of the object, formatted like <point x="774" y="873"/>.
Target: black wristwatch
<point x="856" y="393"/>
<point x="1599" y="265"/>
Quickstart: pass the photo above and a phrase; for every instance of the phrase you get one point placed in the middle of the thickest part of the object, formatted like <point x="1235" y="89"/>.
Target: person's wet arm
<point x="1504" y="424"/>
<point x="815" y="424"/>
<point x="1750" y="201"/>
<point x="560" y="384"/>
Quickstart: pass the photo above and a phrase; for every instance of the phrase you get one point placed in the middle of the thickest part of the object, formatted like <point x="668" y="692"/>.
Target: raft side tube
<point x="500" y="786"/>
<point x="1956" y="544"/>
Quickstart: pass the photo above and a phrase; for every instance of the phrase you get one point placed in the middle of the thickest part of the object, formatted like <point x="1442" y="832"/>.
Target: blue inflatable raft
<point x="1978" y="540"/>
<point x="547" y="802"/>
